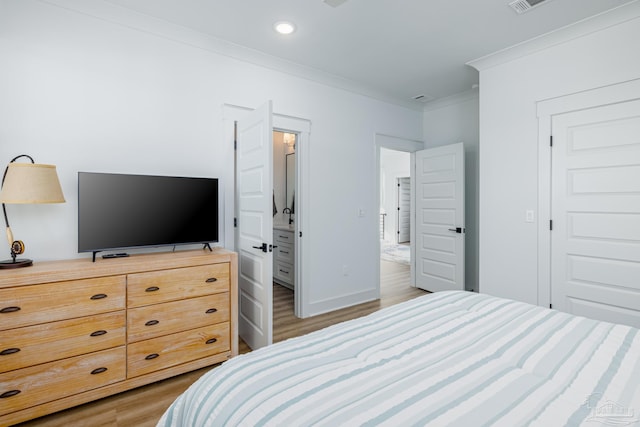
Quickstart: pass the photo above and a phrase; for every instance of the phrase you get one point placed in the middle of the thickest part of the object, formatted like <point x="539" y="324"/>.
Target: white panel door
<point x="254" y="159"/>
<point x="403" y="228"/>
<point x="439" y="202"/>
<point x="595" y="237"/>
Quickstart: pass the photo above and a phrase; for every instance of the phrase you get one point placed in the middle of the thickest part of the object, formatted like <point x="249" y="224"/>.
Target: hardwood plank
<point x="142" y="407"/>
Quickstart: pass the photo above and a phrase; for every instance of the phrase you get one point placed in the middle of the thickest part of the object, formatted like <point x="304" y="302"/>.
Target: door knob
<point x="458" y="230"/>
<point x="263" y="247"/>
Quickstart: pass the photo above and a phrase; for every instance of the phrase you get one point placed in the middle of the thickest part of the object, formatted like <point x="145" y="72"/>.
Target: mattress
<point x="448" y="358"/>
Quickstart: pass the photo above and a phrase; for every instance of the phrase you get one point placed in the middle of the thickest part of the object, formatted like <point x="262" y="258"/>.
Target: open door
<point x="439" y="218"/>
<point x="254" y="180"/>
<point x="403" y="228"/>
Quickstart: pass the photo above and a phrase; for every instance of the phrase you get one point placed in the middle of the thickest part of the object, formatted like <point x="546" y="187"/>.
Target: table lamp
<point x="25" y="183"/>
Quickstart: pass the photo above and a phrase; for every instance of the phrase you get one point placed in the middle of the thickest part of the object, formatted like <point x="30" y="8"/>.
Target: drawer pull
<point x="10" y="309"/>
<point x="211" y="280"/>
<point x="9" y="393"/>
<point x="282" y="271"/>
<point x="211" y="310"/>
<point x="152" y="356"/>
<point x="211" y="340"/>
<point x="98" y="333"/>
<point x="152" y="289"/>
<point x="152" y="323"/>
<point x="8" y="351"/>
<point x="98" y="296"/>
<point x="98" y="371"/>
<point x="284" y="252"/>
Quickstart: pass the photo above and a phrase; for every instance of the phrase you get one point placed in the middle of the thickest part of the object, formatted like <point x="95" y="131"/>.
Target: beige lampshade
<point x="31" y="183"/>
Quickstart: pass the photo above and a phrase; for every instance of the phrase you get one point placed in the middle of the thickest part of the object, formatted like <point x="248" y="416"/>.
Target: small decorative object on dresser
<point x="75" y="331"/>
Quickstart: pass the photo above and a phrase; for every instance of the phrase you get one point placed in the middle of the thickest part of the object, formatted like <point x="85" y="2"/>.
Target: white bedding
<point x="448" y="358"/>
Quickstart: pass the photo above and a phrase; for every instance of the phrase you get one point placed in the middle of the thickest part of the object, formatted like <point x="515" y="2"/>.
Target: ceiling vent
<point x="423" y="98"/>
<point x="521" y="6"/>
<point x="335" y="3"/>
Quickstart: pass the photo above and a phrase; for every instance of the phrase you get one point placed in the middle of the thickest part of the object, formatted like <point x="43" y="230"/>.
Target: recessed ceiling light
<point x="284" y="27"/>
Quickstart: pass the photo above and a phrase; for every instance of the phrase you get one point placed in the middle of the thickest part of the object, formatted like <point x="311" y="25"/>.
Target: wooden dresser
<point x="75" y="331"/>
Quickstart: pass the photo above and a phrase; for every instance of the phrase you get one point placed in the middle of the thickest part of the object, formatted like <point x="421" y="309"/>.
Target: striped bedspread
<point x="448" y="358"/>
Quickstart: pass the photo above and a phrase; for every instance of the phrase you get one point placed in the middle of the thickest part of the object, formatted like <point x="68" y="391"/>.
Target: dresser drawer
<point x="283" y="271"/>
<point x="163" y="319"/>
<point x="169" y="285"/>
<point x="24" y="388"/>
<point x="151" y="355"/>
<point x="33" y="345"/>
<point x="284" y="253"/>
<point x="280" y="236"/>
<point x="31" y="305"/>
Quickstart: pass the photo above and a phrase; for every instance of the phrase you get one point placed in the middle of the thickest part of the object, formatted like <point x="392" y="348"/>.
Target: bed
<point x="448" y="358"/>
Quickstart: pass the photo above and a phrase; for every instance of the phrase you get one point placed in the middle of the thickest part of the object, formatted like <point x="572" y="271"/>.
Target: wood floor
<point x="143" y="406"/>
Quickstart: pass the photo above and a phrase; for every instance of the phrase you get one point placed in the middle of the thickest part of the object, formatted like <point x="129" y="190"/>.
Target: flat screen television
<point x="120" y="211"/>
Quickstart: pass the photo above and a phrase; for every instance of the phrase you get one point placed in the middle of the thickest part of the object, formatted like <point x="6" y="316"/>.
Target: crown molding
<point x="610" y="18"/>
<point x="118" y="15"/>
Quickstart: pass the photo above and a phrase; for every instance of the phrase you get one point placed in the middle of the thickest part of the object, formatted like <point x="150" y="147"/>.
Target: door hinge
<point x="300" y="235"/>
<point x="235" y="135"/>
<point x="551" y="225"/>
<point x="235" y="222"/>
<point x="550" y="305"/>
<point x="551" y="141"/>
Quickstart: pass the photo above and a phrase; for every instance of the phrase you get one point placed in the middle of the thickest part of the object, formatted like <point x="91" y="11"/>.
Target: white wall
<point x="597" y="53"/>
<point x="448" y="122"/>
<point x="393" y="164"/>
<point x="92" y="91"/>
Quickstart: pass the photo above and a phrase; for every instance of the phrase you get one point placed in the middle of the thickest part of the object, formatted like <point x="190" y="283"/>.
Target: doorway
<point x="284" y="214"/>
<point x="250" y="220"/>
<point x="385" y="232"/>
<point x="595" y="190"/>
<point x="436" y="217"/>
<point x="395" y="197"/>
<point x="588" y="230"/>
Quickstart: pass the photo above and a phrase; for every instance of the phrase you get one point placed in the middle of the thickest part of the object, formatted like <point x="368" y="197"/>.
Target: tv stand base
<point x="118" y="255"/>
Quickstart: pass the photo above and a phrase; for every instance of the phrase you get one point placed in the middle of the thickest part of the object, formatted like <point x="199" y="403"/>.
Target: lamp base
<point x="15" y="263"/>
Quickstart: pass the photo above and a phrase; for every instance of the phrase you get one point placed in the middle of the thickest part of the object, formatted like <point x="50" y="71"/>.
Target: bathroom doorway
<point x="284" y="215"/>
<point x="252" y="303"/>
<point x="284" y="177"/>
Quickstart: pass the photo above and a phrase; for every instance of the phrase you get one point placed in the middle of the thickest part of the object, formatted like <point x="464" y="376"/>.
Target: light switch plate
<point x="529" y="216"/>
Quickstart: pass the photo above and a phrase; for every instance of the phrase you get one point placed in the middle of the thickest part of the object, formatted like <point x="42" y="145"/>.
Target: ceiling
<point x="399" y="48"/>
